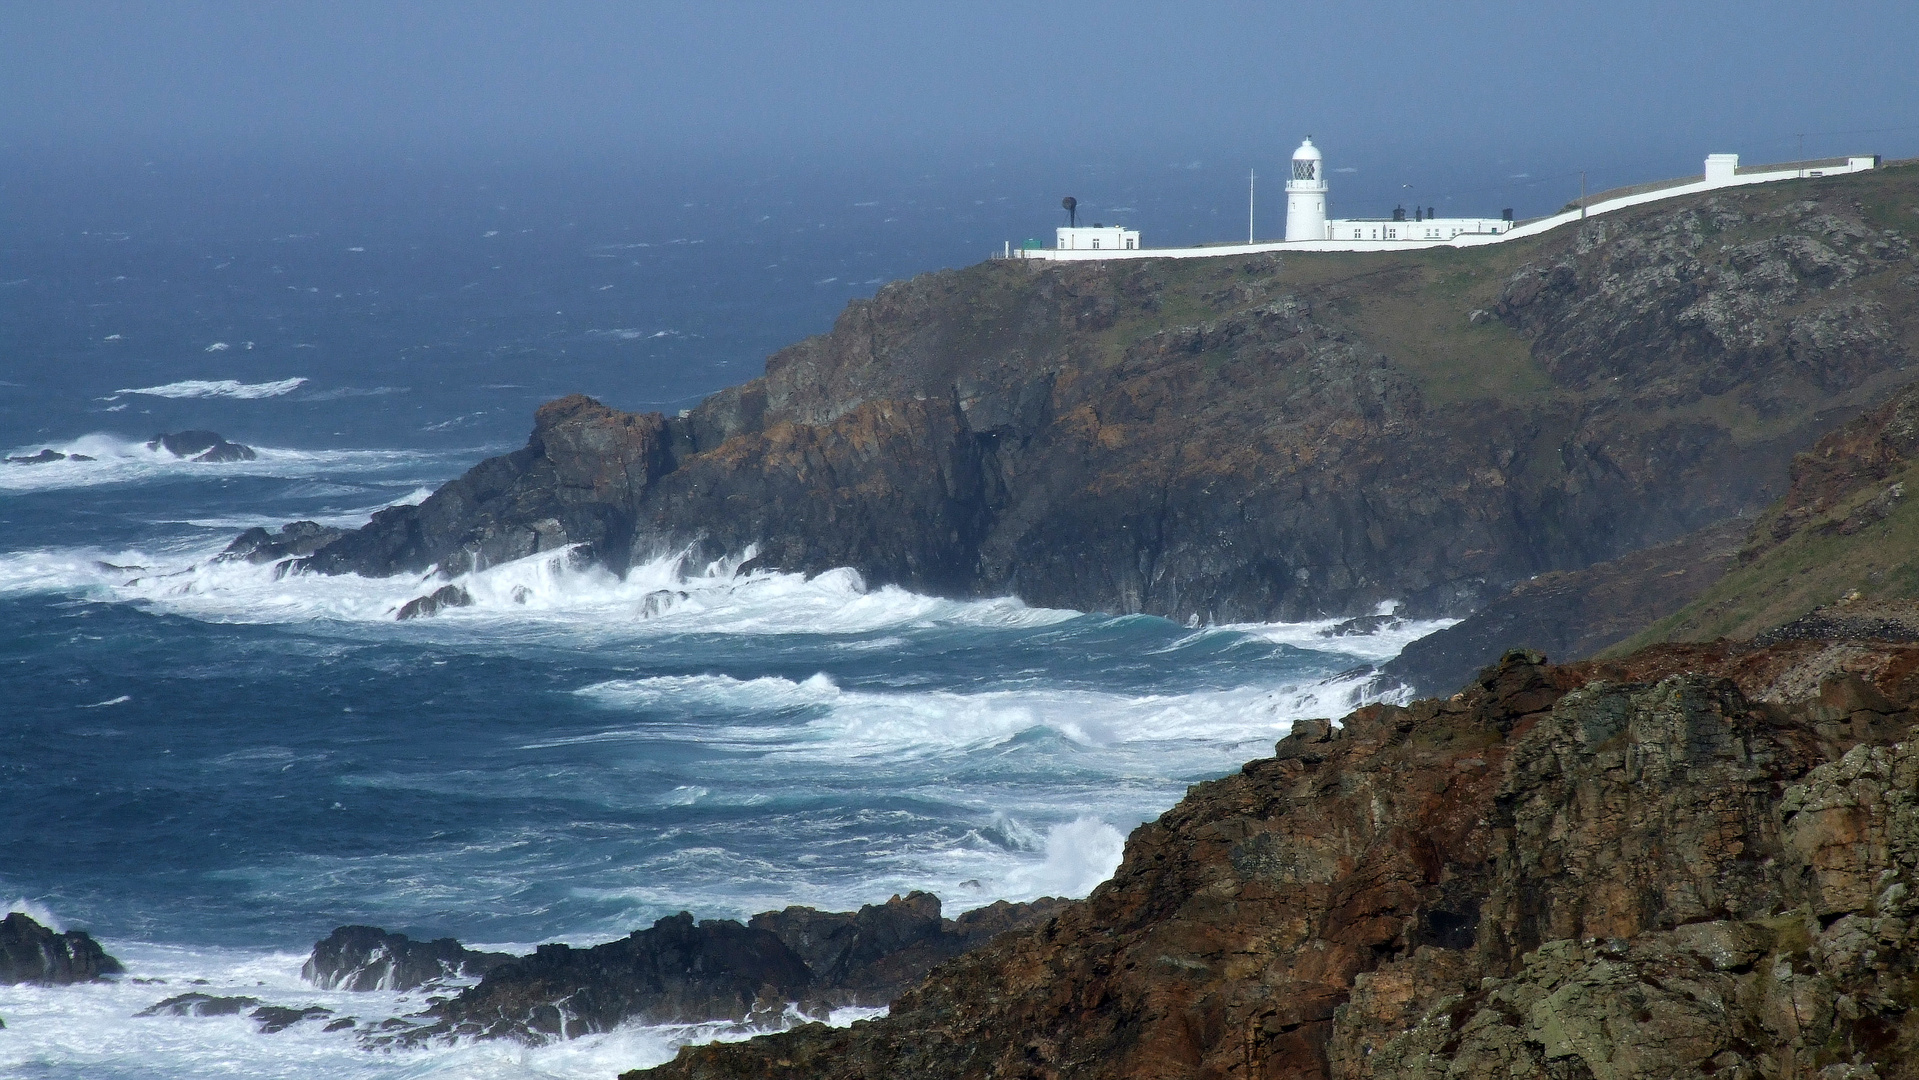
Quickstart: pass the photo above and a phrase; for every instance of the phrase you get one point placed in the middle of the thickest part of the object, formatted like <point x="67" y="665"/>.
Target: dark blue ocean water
<point x="209" y="767"/>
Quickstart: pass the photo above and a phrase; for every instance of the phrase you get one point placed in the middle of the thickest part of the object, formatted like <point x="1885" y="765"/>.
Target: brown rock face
<point x="1698" y="861"/>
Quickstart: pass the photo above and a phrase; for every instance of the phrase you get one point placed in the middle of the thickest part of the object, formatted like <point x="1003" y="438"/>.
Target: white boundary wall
<point x="1719" y="179"/>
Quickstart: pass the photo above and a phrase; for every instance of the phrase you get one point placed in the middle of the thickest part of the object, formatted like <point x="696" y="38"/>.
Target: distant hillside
<point x="1845" y="536"/>
<point x="1249" y="438"/>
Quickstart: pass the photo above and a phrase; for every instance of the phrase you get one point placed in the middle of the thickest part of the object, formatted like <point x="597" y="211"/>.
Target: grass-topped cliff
<point x="1256" y="437"/>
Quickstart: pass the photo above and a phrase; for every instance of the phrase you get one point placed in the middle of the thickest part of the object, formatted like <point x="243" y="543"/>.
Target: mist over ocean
<point x="209" y="767"/>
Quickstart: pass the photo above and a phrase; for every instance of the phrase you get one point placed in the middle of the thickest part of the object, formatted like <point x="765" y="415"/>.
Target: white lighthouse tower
<point x="1306" y="195"/>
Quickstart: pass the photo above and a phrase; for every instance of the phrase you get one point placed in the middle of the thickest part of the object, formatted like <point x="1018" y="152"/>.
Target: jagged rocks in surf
<point x="363" y="958"/>
<point x="201" y="446"/>
<point x="659" y="602"/>
<point x="41" y="458"/>
<point x="680" y="971"/>
<point x="676" y="972"/>
<point x="446" y="596"/>
<point x="296" y="539"/>
<point x="31" y="953"/>
<point x="195" y="1004"/>
<point x="274" y="1018"/>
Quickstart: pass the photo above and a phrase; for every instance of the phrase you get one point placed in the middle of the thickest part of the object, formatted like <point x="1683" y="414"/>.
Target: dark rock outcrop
<point x="425" y="607"/>
<point x="679" y="970"/>
<point x="42" y="458"/>
<point x="870" y="956"/>
<point x="31" y="953"/>
<point x="1695" y="861"/>
<point x="293" y="540"/>
<point x="1244" y="438"/>
<point x="364" y="958"/>
<point x="207" y="446"/>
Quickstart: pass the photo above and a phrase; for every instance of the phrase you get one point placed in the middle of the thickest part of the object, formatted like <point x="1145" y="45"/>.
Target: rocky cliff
<point x="1247" y="438"/>
<point x="1698" y="861"/>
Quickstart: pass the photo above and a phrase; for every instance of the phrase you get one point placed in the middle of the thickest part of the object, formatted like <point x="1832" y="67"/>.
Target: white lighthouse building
<point x="1306" y="213"/>
<point x="1308" y="228"/>
<point x="1306" y="195"/>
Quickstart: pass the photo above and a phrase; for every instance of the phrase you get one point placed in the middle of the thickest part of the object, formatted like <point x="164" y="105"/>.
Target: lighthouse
<point x="1306" y="195"/>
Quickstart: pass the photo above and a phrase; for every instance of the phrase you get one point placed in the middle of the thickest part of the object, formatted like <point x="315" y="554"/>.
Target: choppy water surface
<point x="210" y="766"/>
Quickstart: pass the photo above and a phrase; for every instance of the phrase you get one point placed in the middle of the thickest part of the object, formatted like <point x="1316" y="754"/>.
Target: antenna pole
<point x="1249" y="206"/>
<point x="1582" y="194"/>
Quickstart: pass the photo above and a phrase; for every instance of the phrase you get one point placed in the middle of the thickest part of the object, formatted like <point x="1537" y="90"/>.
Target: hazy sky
<point x="848" y="81"/>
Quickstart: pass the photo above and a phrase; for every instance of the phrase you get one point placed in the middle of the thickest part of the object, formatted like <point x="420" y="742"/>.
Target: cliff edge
<point x="1247" y="438"/>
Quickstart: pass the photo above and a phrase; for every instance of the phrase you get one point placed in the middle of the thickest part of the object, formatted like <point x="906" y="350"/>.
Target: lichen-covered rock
<point x="1692" y="862"/>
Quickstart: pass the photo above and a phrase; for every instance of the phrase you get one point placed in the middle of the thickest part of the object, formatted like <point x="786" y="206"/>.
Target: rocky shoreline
<point x="1696" y="861"/>
<point x="1241" y="439"/>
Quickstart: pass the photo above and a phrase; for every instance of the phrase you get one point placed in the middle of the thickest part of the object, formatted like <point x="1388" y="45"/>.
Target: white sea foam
<point x="117" y="460"/>
<point x="218" y="388"/>
<point x="39" y="913"/>
<point x="1080" y="854"/>
<point x="91" y="1030"/>
<point x="847" y="725"/>
<point x="540" y="593"/>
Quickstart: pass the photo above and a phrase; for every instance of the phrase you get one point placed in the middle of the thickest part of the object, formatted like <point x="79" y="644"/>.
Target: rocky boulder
<point x="368" y="958"/>
<point x="206" y="446"/>
<point x="31" y="953"/>
<point x="425" y="607"/>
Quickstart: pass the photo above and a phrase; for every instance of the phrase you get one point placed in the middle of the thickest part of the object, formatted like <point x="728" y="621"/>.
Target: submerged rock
<point x="274" y="1018"/>
<point x="196" y="1004"/>
<point x="31" y="953"/>
<point x="446" y="596"/>
<point x="368" y="958"/>
<point x="207" y="446"/>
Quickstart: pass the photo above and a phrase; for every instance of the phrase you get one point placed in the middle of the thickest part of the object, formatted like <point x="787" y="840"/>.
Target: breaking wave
<point x="117" y="460"/>
<point x="218" y="388"/>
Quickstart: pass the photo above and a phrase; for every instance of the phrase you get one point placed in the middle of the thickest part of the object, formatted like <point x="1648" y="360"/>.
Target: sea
<point x="209" y="765"/>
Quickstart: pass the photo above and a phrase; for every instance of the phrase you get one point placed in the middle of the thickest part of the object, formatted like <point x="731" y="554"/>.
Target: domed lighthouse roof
<point x="1309" y="173"/>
